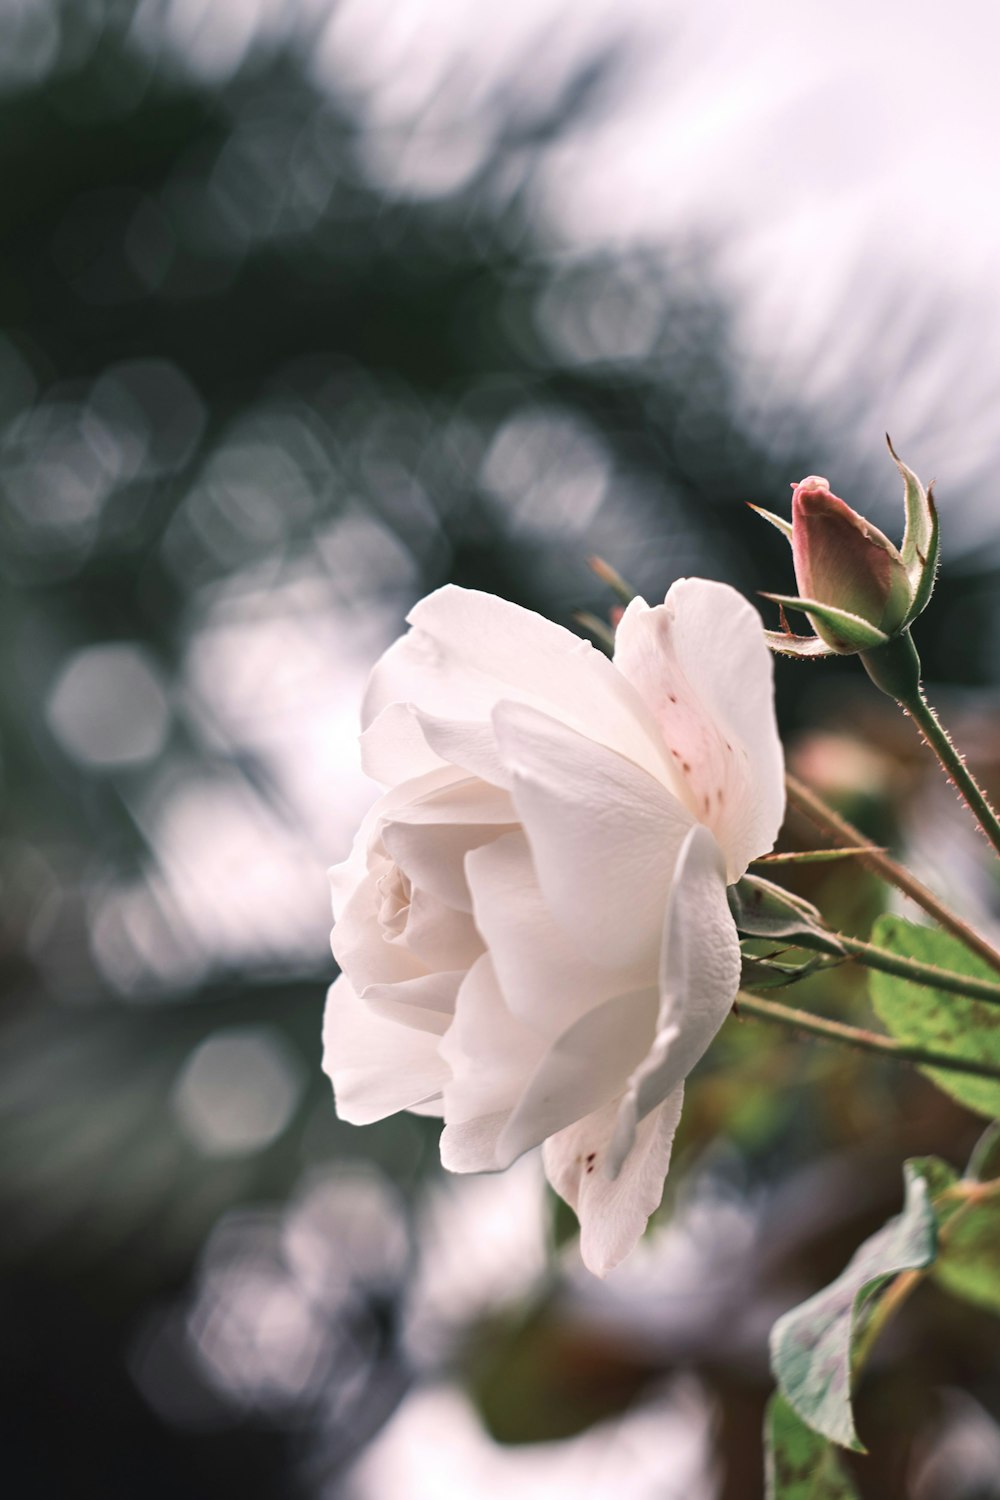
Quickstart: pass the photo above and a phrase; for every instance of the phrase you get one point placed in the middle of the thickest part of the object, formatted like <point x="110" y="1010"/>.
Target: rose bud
<point x="858" y="590"/>
<point x="843" y="560"/>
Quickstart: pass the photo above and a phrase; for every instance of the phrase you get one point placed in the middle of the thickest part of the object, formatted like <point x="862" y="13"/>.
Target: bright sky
<point x="843" y="158"/>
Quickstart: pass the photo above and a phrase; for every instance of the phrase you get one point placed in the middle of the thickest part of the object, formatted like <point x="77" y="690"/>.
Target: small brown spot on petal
<point x="672" y="697"/>
<point x="592" y="1157"/>
<point x="686" y="765"/>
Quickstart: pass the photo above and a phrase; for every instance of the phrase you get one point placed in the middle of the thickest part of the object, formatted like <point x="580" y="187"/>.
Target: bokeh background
<point x="307" y="307"/>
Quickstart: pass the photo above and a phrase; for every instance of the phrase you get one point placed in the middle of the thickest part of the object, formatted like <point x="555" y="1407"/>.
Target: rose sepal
<point x="843" y="632"/>
<point x="762" y="909"/>
<point x="921" y="547"/>
<point x="778" y="522"/>
<point x="769" y="973"/>
<point x="895" y="668"/>
<point x="787" y="643"/>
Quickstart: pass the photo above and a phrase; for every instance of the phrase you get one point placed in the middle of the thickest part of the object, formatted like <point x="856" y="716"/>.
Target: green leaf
<point x="927" y="1017"/>
<point x="799" y="1464"/>
<point x="811" y="1345"/>
<point x="840" y="628"/>
<point x="968" y="1216"/>
<point x="939" y="1176"/>
<point x="968" y="1263"/>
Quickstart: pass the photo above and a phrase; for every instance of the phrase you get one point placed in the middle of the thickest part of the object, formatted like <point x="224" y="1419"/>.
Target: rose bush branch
<point x="805" y="800"/>
<point x="858" y="1038"/>
<point x="895" y="669"/>
<point x="937" y="737"/>
<point x="874" y="957"/>
<point x="871" y="956"/>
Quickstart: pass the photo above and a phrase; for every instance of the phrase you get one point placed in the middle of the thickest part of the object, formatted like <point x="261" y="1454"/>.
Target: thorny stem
<point x="846" y="835"/>
<point x="863" y="1041"/>
<point x="919" y="973"/>
<point x="939" y="740"/>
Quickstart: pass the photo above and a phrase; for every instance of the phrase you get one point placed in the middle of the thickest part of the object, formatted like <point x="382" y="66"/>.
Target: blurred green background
<point x="272" y="365"/>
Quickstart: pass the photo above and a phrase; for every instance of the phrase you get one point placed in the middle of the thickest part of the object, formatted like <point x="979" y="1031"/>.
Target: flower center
<point x="395" y="892"/>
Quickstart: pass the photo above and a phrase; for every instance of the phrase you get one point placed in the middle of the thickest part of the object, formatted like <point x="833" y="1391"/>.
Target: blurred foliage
<point x="268" y="372"/>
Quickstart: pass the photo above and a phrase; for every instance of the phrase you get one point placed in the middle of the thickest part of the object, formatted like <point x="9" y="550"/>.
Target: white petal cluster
<point x="532" y="926"/>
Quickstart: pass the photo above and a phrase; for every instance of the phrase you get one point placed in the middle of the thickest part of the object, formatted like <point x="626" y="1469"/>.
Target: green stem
<point x="920" y="973"/>
<point x="895" y="670"/>
<point x="937" y="737"/>
<point x="808" y="802"/>
<point x="863" y="1041"/>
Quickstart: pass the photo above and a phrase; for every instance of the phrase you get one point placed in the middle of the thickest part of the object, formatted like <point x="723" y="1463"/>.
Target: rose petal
<point x="394" y="747"/>
<point x="345" y="877"/>
<point x="426" y="1003"/>
<point x="582" y="1070"/>
<point x="545" y="980"/>
<point x="359" y="943"/>
<point x="471" y="1145"/>
<point x="463" y="800"/>
<point x="613" y="1212"/>
<point x="434" y="856"/>
<point x="701" y="664"/>
<point x="377" y="1067"/>
<point x="438" y="935"/>
<point x="527" y="1084"/>
<point x="604" y="836"/>
<point x="404" y="740"/>
<point x="430" y="837"/>
<point x="467" y="650"/>
<point x="699" y="978"/>
<point x="490" y="1053"/>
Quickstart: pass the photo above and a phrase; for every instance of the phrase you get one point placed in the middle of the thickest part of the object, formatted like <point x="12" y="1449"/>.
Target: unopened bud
<point x="860" y="592"/>
<point x="844" y="561"/>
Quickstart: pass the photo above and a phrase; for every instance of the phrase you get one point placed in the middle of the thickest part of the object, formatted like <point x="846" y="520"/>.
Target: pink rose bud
<point x="844" y="561"/>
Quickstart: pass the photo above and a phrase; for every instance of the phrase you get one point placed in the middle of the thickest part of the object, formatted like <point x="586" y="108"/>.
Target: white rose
<point x="532" y="926"/>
